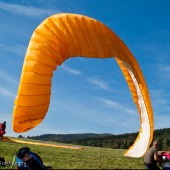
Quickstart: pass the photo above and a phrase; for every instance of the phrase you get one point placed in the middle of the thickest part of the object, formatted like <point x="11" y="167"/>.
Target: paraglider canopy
<point x="60" y="37"/>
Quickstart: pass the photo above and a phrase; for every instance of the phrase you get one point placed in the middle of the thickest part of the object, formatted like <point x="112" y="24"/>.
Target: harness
<point x="22" y="165"/>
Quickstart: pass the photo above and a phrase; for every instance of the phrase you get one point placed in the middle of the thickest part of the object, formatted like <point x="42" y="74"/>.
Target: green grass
<point x="60" y="158"/>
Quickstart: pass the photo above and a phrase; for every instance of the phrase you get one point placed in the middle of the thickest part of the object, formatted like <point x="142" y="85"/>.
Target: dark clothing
<point x="33" y="165"/>
<point x="2" y="161"/>
<point x="27" y="160"/>
<point x="151" y="166"/>
<point x="2" y="129"/>
<point x="149" y="161"/>
<point x="4" y="126"/>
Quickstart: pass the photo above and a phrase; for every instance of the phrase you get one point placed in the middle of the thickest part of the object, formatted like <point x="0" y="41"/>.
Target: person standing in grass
<point x="2" y="130"/>
<point x="151" y="157"/>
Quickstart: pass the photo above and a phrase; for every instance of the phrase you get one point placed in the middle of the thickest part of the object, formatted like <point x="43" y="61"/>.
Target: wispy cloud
<point x="111" y="103"/>
<point x="164" y="70"/>
<point x="16" y="49"/>
<point x="70" y="70"/>
<point x="160" y="101"/>
<point x="115" y="105"/>
<point x="6" y="92"/>
<point x="159" y="98"/>
<point x="159" y="51"/>
<point x="162" y="121"/>
<point x="99" y="83"/>
<point x="8" y="78"/>
<point x="25" y="10"/>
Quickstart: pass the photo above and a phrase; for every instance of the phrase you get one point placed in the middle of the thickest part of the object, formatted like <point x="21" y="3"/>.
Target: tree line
<point x="122" y="141"/>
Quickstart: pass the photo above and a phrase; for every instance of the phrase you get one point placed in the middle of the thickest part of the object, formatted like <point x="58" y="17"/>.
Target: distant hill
<point x="67" y="138"/>
<point x="122" y="141"/>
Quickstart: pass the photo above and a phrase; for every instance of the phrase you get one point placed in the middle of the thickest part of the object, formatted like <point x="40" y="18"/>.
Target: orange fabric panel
<point x="31" y="100"/>
<point x="34" y="89"/>
<point x="37" y="67"/>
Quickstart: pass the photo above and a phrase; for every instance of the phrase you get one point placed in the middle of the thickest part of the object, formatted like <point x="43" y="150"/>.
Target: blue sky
<point x="90" y="95"/>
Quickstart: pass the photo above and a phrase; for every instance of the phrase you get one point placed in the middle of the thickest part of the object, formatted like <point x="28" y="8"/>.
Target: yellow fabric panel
<point x="56" y="39"/>
<point x="42" y="144"/>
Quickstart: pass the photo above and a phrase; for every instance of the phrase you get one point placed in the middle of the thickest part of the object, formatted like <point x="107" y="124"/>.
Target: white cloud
<point x="116" y="105"/>
<point x="160" y="97"/>
<point x="110" y="103"/>
<point x="8" y="78"/>
<point x="166" y="68"/>
<point x="19" y="50"/>
<point x="29" y="11"/>
<point x="164" y="71"/>
<point x="162" y="121"/>
<point x="99" y="83"/>
<point x="6" y="92"/>
<point x="70" y="70"/>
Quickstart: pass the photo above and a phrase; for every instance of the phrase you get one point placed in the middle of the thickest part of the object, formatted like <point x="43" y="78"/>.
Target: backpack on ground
<point x="2" y="161"/>
<point x="17" y="160"/>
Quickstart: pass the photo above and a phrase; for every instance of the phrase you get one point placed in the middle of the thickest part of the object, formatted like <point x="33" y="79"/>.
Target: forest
<point x="121" y="141"/>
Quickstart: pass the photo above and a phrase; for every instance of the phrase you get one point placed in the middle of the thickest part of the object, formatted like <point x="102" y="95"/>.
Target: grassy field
<point x="87" y="158"/>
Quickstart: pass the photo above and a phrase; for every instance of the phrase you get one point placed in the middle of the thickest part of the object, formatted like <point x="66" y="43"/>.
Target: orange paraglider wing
<point x="60" y="37"/>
